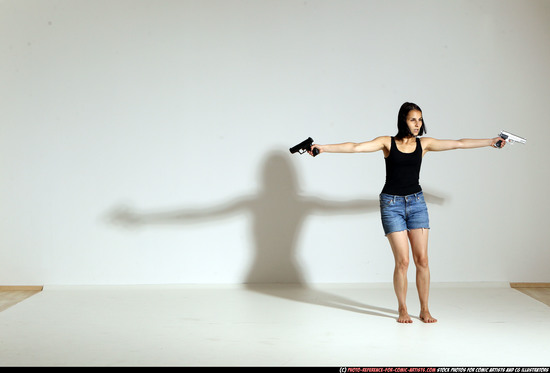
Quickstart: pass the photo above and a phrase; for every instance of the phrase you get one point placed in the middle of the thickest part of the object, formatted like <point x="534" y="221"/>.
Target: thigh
<point x="419" y="244"/>
<point x="399" y="243"/>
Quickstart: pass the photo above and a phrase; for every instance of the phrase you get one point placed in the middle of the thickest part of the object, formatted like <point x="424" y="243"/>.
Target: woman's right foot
<point x="404" y="317"/>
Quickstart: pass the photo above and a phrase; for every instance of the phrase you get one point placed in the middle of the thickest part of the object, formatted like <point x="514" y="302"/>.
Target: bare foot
<point x="426" y="317"/>
<point x="404" y="317"/>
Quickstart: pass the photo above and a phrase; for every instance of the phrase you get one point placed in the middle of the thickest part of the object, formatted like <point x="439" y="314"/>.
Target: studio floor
<point x="273" y="325"/>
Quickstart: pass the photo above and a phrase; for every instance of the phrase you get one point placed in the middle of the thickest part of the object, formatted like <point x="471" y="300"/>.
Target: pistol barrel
<point x="510" y="137"/>
<point x="304" y="145"/>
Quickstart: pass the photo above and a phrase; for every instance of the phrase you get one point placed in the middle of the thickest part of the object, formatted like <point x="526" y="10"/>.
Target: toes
<point x="428" y="319"/>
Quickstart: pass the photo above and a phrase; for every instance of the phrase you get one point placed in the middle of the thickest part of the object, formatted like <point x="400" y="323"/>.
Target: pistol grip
<point x="498" y="144"/>
<point x="315" y="151"/>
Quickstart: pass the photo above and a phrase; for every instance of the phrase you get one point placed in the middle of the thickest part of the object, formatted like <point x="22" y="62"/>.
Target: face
<point x="414" y="121"/>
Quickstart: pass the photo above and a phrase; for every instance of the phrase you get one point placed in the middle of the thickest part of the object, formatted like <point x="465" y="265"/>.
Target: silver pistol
<point x="510" y="138"/>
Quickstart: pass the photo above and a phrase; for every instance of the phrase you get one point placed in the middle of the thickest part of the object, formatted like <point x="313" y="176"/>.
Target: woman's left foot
<point x="427" y="318"/>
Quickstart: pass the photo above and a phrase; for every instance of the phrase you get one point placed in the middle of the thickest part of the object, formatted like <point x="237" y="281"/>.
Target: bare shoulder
<point x="384" y="143"/>
<point x="426" y="142"/>
<point x="386" y="140"/>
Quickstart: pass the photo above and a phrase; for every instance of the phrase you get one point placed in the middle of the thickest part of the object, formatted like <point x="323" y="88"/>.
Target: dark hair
<point x="402" y="128"/>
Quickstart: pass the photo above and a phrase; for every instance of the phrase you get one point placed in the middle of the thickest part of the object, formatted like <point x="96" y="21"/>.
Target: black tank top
<point x="403" y="171"/>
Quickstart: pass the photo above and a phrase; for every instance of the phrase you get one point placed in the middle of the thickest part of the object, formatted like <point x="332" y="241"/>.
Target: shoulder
<point x="426" y="141"/>
<point x="384" y="143"/>
<point x="385" y="140"/>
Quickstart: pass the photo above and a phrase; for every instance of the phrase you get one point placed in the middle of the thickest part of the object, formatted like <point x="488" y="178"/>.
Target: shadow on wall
<point x="278" y="212"/>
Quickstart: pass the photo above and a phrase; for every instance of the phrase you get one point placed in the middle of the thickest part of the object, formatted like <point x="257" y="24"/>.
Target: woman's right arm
<point x="379" y="143"/>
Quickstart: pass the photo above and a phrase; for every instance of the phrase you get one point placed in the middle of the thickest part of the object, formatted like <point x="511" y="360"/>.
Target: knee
<point x="421" y="262"/>
<point x="402" y="264"/>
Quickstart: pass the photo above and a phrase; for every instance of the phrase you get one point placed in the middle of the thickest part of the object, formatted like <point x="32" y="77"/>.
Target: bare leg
<point x="419" y="247"/>
<point x="400" y="247"/>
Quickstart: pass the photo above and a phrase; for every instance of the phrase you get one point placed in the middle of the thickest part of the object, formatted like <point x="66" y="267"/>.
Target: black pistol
<point x="304" y="146"/>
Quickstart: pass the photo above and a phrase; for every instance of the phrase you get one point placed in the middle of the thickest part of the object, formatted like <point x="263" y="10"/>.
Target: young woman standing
<point x="403" y="209"/>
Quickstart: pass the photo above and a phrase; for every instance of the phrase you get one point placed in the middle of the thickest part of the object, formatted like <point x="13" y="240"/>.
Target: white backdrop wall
<point x="146" y="141"/>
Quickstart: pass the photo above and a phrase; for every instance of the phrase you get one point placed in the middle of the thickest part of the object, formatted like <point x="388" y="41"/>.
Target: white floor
<point x="274" y="325"/>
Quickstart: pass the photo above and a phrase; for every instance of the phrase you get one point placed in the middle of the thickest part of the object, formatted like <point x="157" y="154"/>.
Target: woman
<point x="402" y="206"/>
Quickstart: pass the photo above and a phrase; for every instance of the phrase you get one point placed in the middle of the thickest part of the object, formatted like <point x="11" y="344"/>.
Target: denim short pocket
<point x="386" y="200"/>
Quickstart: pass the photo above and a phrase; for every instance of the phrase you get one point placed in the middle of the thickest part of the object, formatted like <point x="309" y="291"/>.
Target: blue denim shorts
<point x="401" y="213"/>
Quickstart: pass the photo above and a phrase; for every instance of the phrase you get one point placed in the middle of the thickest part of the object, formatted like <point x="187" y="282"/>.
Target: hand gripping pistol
<point x="510" y="138"/>
<point x="304" y="146"/>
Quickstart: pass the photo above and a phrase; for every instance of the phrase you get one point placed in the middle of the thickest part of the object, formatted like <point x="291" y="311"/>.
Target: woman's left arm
<point x="435" y="145"/>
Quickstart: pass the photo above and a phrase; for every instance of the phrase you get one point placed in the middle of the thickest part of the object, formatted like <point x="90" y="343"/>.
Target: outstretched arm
<point x="374" y="145"/>
<point x="435" y="145"/>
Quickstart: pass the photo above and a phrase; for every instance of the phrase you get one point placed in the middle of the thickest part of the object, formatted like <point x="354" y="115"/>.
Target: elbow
<point x="356" y="148"/>
<point x="460" y="144"/>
